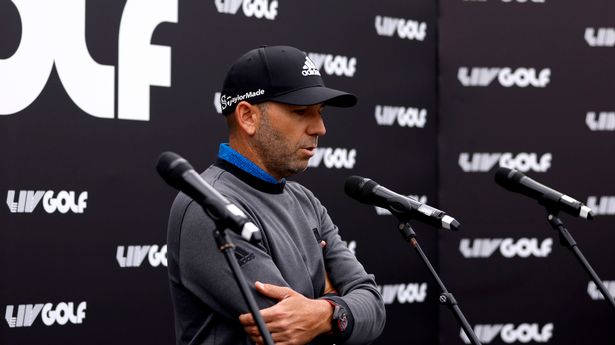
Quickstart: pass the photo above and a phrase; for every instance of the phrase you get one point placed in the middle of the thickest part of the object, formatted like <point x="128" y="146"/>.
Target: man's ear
<point x="247" y="116"/>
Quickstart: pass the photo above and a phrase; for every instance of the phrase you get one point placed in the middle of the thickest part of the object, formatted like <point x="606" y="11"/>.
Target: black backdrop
<point x="526" y="287"/>
<point x="122" y="81"/>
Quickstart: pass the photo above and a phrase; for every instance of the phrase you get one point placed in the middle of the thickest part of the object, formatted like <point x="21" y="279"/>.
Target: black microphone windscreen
<point x="360" y="189"/>
<point x="171" y="166"/>
<point x="508" y="178"/>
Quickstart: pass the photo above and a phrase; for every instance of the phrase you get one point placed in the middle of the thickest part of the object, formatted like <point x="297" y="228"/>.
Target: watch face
<point x="342" y="322"/>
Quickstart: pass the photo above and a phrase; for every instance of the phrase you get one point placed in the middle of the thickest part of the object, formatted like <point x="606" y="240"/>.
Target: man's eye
<point x="300" y="111"/>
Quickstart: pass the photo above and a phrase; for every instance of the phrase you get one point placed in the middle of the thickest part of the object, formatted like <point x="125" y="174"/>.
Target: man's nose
<point x="317" y="125"/>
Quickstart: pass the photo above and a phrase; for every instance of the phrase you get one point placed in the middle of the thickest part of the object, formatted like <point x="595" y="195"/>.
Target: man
<point x="309" y="286"/>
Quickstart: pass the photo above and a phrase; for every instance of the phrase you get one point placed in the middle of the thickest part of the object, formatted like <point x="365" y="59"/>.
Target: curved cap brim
<point x="317" y="94"/>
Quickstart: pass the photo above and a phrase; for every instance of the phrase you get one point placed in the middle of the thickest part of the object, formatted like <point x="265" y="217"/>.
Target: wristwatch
<point x="339" y="324"/>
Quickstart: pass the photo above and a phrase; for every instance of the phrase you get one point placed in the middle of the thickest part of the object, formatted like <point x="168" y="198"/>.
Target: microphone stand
<point x="566" y="240"/>
<point x="446" y="297"/>
<point x="228" y="248"/>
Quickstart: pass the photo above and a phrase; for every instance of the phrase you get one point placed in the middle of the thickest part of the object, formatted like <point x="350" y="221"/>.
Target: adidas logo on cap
<point x="309" y="68"/>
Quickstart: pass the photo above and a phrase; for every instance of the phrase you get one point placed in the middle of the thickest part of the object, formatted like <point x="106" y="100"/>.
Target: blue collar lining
<point x="227" y="153"/>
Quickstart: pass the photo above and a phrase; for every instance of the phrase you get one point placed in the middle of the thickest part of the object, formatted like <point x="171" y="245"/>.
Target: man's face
<point x="287" y="137"/>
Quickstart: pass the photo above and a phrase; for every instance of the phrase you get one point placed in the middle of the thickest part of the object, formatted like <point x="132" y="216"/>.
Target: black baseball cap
<point x="278" y="73"/>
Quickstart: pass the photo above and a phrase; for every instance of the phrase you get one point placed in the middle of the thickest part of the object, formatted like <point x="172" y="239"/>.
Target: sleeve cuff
<point x="342" y="332"/>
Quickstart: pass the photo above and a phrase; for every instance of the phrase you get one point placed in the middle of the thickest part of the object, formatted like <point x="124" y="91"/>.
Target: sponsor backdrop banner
<point x="526" y="84"/>
<point x="91" y="92"/>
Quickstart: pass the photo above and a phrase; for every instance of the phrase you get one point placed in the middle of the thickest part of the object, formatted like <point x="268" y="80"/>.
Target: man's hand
<point x="294" y="320"/>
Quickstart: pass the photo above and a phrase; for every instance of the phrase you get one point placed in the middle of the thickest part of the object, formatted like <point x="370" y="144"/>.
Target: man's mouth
<point x="309" y="150"/>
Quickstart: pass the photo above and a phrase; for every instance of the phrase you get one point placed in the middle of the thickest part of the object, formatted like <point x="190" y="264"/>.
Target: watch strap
<point x="343" y="322"/>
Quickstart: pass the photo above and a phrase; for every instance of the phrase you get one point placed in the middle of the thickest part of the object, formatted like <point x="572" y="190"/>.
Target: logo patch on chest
<point x="243" y="256"/>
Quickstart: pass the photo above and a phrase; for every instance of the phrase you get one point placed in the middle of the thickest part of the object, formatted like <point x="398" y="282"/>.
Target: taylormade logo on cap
<point x="227" y="101"/>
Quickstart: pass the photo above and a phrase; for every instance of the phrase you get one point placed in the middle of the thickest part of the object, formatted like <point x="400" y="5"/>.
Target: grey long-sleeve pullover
<point x="206" y="299"/>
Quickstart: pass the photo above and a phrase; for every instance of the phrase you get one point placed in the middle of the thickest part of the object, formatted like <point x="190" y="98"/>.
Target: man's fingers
<point x="276" y="335"/>
<point x="268" y="314"/>
<point x="295" y="319"/>
<point x="252" y="330"/>
<point x="246" y="319"/>
<point x="273" y="291"/>
<point x="274" y="325"/>
<point x="257" y="340"/>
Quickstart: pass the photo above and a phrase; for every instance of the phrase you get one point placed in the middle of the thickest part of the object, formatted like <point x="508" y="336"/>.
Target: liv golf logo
<point x="524" y="162"/>
<point x="24" y="315"/>
<point x="403" y="28"/>
<point x="63" y="201"/>
<point x="337" y="65"/>
<point x="596" y="294"/>
<point x="387" y="115"/>
<point x="600" y="37"/>
<point x="602" y="205"/>
<point x="403" y="293"/>
<point x="508" y="247"/>
<point x="506" y="76"/>
<point x="251" y="8"/>
<point x="134" y="256"/>
<point x="337" y="158"/>
<point x="53" y="34"/>
<point x="510" y="333"/>
<point x="602" y="121"/>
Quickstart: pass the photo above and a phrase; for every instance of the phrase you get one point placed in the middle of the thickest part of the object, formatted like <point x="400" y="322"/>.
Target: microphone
<point x="179" y="174"/>
<point x="517" y="182"/>
<point x="369" y="192"/>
